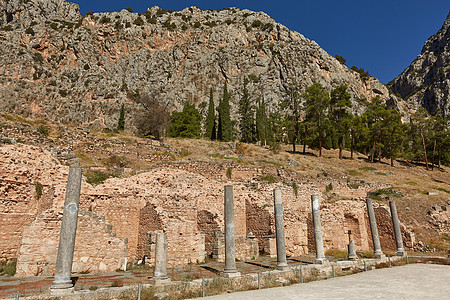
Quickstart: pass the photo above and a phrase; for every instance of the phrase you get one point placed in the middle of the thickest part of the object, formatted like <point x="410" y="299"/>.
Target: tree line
<point x="313" y="117"/>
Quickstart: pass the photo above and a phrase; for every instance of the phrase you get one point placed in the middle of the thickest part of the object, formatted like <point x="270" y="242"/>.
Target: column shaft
<point x="374" y="230"/>
<point x="352" y="250"/>
<point x="161" y="256"/>
<point x="68" y="232"/>
<point x="318" y="238"/>
<point x="279" y="229"/>
<point x="397" y="231"/>
<point x="230" y="250"/>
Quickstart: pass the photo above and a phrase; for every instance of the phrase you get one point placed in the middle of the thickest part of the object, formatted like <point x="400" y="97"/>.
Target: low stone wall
<point x="97" y="249"/>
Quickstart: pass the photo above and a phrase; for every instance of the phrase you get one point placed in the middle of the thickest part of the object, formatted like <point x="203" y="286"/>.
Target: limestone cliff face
<point x="58" y="65"/>
<point x="426" y="82"/>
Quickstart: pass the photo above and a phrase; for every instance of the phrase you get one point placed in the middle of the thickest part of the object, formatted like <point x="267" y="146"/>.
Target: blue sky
<point x="383" y="37"/>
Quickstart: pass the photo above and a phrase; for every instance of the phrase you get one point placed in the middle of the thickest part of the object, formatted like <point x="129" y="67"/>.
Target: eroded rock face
<point x="58" y="65"/>
<point x="426" y="82"/>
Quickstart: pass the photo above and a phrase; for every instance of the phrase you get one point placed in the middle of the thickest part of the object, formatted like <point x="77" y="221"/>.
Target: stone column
<point x="160" y="257"/>
<point x="397" y="231"/>
<point x="64" y="260"/>
<point x="374" y="230"/>
<point x="230" y="248"/>
<point x="279" y="229"/>
<point x="318" y="239"/>
<point x="351" y="251"/>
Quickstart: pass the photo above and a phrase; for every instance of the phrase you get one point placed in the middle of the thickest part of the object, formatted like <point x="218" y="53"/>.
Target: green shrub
<point x="116" y="283"/>
<point x="105" y="20"/>
<point x="138" y="21"/>
<point x="38" y="57"/>
<point x="256" y="23"/>
<point x="129" y="9"/>
<point x="295" y="188"/>
<point x="329" y="187"/>
<point x="336" y="253"/>
<point x="90" y="13"/>
<point x="98" y="177"/>
<point x="29" y="31"/>
<point x="7" y="28"/>
<point x="229" y="172"/>
<point x="38" y="189"/>
<point x="93" y="288"/>
<point x="269" y="178"/>
<point x="44" y="130"/>
<point x="8" y="268"/>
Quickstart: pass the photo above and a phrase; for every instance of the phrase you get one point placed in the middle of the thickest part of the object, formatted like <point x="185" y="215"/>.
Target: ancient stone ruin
<point x="119" y="220"/>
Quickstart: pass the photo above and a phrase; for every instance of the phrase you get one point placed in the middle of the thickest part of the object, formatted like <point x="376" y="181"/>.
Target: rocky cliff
<point x="59" y="65"/>
<point x="426" y="82"/>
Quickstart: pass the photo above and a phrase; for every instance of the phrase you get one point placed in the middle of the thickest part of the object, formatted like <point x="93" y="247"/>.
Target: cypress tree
<point x="261" y="122"/>
<point x="210" y="124"/>
<point x="225" y="127"/>
<point x="247" y="123"/>
<point x="121" y="123"/>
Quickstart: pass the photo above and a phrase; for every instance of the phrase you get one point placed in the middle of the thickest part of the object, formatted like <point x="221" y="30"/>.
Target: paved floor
<point x="416" y="281"/>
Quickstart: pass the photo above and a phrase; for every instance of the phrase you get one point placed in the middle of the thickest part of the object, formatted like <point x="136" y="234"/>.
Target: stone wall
<point x="22" y="169"/>
<point x="97" y="249"/>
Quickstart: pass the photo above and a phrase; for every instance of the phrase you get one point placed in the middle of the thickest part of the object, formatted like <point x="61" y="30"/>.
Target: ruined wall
<point x="149" y="220"/>
<point x="22" y="168"/>
<point x="97" y="249"/>
<point x="246" y="247"/>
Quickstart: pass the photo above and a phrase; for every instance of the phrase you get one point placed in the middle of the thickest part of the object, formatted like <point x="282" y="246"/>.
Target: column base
<point x="353" y="257"/>
<point x="282" y="267"/>
<point x="58" y="291"/>
<point x="159" y="281"/>
<point x="321" y="261"/>
<point x="400" y="252"/>
<point x="231" y="274"/>
<point x="379" y="255"/>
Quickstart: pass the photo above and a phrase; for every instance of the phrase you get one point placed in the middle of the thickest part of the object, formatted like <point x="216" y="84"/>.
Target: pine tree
<point x="225" y="127"/>
<point x="317" y="100"/>
<point x="340" y="116"/>
<point x="247" y="122"/>
<point x="121" y="122"/>
<point x="210" y="122"/>
<point x="187" y="123"/>
<point x="393" y="135"/>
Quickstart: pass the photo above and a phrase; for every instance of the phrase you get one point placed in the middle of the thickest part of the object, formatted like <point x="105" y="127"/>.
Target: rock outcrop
<point x="426" y="82"/>
<point x="58" y="65"/>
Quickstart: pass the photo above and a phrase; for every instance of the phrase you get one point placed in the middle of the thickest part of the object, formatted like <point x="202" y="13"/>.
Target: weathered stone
<point x="426" y="82"/>
<point x="374" y="230"/>
<point x="351" y="251"/>
<point x="279" y="230"/>
<point x="94" y="61"/>
<point x="160" y="256"/>
<point x="230" y="249"/>
<point x="318" y="239"/>
<point x="64" y="260"/>
<point x="397" y="231"/>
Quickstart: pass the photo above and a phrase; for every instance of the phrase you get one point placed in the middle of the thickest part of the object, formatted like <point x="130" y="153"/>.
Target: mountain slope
<point x="426" y="82"/>
<point x="58" y="65"/>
